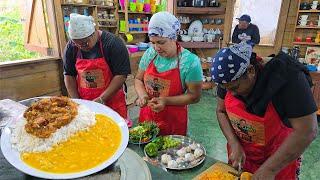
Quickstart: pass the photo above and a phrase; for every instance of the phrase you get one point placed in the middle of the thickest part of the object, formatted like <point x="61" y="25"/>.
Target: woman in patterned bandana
<point x="267" y="127"/>
<point x="169" y="77"/>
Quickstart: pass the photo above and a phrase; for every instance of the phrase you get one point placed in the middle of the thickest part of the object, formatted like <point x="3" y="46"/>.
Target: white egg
<point x="193" y="146"/>
<point x="165" y="158"/>
<point x="181" y="152"/>
<point x="188" y="149"/>
<point x="189" y="157"/>
<point x="198" y="152"/>
<point x="172" y="164"/>
<point x="180" y="160"/>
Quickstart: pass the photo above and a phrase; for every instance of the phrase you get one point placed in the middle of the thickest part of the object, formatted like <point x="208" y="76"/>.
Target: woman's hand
<point x="142" y="101"/>
<point x="237" y="156"/>
<point x="157" y="104"/>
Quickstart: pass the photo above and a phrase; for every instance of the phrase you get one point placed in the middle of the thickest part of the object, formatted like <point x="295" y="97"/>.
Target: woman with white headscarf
<point x="169" y="77"/>
<point x="96" y="64"/>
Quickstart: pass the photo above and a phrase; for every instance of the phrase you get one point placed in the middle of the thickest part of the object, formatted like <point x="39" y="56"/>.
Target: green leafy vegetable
<point x="151" y="149"/>
<point x="143" y="132"/>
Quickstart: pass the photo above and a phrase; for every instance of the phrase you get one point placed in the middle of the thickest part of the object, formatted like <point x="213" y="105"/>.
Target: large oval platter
<point x="13" y="156"/>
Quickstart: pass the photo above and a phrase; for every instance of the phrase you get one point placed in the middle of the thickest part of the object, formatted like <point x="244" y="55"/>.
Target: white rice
<point x="25" y="142"/>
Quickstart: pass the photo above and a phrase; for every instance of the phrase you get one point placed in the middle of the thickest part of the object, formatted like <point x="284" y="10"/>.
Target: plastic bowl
<point x="132" y="48"/>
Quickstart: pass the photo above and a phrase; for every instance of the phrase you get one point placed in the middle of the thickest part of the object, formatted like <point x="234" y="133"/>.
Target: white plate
<point x="195" y="27"/>
<point x="13" y="156"/>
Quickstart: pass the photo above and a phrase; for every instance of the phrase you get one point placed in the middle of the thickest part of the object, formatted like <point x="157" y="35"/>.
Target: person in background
<point x="266" y="113"/>
<point x="96" y="64"/>
<point x="168" y="79"/>
<point x="246" y="31"/>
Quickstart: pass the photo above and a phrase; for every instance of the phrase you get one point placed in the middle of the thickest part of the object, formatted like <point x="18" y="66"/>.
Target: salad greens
<point x="161" y="143"/>
<point x="144" y="132"/>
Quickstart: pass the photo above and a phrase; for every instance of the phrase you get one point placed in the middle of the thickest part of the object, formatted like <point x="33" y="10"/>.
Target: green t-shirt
<point x="190" y="66"/>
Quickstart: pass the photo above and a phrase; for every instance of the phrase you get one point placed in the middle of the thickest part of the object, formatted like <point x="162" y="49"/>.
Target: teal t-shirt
<point x="190" y="66"/>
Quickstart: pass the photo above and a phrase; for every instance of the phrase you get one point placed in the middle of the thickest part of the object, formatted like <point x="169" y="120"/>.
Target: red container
<point x="298" y="39"/>
<point x="309" y="39"/>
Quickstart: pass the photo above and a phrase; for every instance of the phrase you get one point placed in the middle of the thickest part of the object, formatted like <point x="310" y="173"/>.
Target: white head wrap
<point x="80" y="26"/>
<point x="164" y="24"/>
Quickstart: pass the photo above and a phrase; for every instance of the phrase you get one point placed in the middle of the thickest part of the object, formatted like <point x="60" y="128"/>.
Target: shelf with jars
<point x="202" y="23"/>
<point x="307" y="24"/>
<point x="104" y="13"/>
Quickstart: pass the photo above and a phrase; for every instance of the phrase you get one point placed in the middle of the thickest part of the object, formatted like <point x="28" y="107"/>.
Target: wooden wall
<point x="30" y="78"/>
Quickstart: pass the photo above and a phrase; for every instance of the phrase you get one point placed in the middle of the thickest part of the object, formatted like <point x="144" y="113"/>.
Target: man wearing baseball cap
<point x="246" y="31"/>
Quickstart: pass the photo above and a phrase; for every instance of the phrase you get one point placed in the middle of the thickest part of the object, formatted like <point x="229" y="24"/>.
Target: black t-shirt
<point x="115" y="52"/>
<point x="294" y="100"/>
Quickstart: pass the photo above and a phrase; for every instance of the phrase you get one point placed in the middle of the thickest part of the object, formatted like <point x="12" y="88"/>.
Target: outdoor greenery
<point x="12" y="37"/>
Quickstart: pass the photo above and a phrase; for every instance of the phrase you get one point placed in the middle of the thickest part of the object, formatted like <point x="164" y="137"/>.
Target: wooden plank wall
<point x="290" y="25"/>
<point x="29" y="78"/>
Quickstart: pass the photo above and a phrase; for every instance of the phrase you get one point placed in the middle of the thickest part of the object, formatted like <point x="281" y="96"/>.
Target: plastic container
<point x="147" y="8"/>
<point x="132" y="48"/>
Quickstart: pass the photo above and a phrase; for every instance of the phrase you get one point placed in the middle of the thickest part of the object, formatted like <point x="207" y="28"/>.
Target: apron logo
<point x="248" y="131"/>
<point x="92" y="79"/>
<point x="157" y="87"/>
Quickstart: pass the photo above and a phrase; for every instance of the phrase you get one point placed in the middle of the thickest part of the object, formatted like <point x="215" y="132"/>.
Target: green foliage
<point x="12" y="37"/>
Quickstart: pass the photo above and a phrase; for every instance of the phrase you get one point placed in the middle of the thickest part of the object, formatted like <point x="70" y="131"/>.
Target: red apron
<point x="94" y="76"/>
<point x="260" y="137"/>
<point x="173" y="119"/>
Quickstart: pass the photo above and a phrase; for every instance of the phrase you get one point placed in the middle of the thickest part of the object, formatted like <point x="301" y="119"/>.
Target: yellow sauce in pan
<point x="83" y="151"/>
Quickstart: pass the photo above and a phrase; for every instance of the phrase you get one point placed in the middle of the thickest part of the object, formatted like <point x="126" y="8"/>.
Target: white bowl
<point x="197" y="38"/>
<point x="185" y="38"/>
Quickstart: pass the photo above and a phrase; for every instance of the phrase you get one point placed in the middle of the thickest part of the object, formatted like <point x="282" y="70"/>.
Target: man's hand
<point x="237" y="156"/>
<point x="263" y="174"/>
<point x="157" y="104"/>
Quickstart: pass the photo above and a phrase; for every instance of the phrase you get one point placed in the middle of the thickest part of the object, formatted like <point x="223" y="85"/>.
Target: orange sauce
<point x="84" y="150"/>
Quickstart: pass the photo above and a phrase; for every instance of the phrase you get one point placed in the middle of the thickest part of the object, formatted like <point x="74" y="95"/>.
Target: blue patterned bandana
<point x="231" y="63"/>
<point x="164" y="24"/>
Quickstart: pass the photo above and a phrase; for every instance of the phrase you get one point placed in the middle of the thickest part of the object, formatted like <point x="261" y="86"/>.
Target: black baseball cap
<point x="245" y="17"/>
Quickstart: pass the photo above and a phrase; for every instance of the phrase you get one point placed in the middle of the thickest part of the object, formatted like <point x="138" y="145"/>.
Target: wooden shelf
<point x="130" y="12"/>
<point x="200" y="45"/>
<point x="205" y="11"/>
<point x="306" y="43"/>
<point x="107" y="20"/>
<point x="87" y="5"/>
<point x="309" y="11"/>
<point x="107" y="26"/>
<point x="308" y="27"/>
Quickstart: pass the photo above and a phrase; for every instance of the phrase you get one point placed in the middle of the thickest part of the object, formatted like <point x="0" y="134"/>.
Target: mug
<point x="133" y="6"/>
<point x="308" y="39"/>
<point x="315" y="3"/>
<point x="314" y="6"/>
<point x="303" y="17"/>
<point x="153" y="8"/>
<point x="122" y="26"/>
<point x="140" y="7"/>
<point x="302" y="23"/>
<point x="129" y="37"/>
<point x="298" y="39"/>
